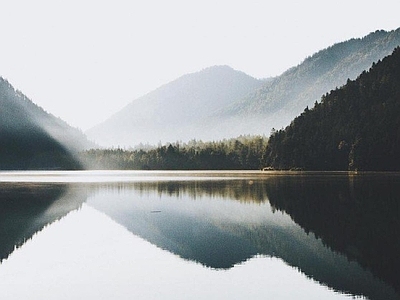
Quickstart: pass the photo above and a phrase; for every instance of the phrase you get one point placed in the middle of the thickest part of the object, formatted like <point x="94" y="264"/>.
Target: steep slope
<point x="30" y="138"/>
<point x="177" y="110"/>
<point x="279" y="101"/>
<point x="219" y="102"/>
<point x="356" y="127"/>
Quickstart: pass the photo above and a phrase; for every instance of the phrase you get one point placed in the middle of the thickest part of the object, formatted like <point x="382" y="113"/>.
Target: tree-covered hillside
<point x="219" y="102"/>
<point x="30" y="138"/>
<point x="278" y="101"/>
<point x="243" y="153"/>
<point x="355" y="127"/>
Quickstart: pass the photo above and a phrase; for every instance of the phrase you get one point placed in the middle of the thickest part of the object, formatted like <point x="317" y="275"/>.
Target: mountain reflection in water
<point x="26" y="208"/>
<point x="338" y="229"/>
<point x="223" y="223"/>
<point x="358" y="216"/>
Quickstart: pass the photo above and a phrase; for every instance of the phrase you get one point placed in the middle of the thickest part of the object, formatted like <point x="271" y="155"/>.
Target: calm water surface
<point x="199" y="235"/>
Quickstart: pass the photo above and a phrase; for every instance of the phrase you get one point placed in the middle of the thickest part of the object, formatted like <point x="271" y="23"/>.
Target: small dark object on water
<point x="155" y="211"/>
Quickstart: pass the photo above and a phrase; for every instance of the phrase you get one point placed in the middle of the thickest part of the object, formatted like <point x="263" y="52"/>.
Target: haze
<point x="84" y="60"/>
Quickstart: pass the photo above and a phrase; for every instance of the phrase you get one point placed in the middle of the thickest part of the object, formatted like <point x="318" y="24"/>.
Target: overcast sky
<point x="83" y="60"/>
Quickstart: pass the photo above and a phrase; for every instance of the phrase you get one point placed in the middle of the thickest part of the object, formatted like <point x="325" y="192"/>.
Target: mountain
<point x="278" y="101"/>
<point x="31" y="138"/>
<point x="355" y="127"/>
<point x="219" y="102"/>
<point x="177" y="110"/>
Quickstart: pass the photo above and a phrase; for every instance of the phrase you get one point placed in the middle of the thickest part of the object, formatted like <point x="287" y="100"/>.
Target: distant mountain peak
<point x="220" y="67"/>
<point x="220" y="102"/>
<point x="174" y="110"/>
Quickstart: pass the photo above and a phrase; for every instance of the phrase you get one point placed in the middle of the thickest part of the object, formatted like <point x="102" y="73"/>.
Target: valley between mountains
<point x="224" y="115"/>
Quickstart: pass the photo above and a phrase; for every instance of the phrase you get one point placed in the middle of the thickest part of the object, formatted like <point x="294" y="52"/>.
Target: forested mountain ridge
<point x="355" y="127"/>
<point x="219" y="102"/>
<point x="278" y="101"/>
<point x="177" y="110"/>
<point x="31" y="138"/>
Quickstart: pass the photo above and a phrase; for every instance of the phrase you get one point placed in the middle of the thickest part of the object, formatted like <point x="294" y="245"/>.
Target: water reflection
<point x="244" y="190"/>
<point x="190" y="219"/>
<point x="357" y="216"/>
<point x="223" y="223"/>
<point x="340" y="230"/>
<point x="26" y="209"/>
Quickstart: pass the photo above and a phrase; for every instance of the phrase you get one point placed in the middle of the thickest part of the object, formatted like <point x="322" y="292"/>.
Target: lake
<point x="199" y="235"/>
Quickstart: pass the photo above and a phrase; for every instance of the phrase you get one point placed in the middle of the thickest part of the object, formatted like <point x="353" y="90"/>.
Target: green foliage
<point x="356" y="127"/>
<point x="288" y="94"/>
<point x="243" y="153"/>
<point x="25" y="142"/>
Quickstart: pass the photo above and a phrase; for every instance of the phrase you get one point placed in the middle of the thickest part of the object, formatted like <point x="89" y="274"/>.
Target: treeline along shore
<point x="354" y="127"/>
<point x="243" y="153"/>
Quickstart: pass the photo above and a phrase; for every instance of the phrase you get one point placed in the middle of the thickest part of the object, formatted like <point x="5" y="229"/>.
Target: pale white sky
<point x="83" y="60"/>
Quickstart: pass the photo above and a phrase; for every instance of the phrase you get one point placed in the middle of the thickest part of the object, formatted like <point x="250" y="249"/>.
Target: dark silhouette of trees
<point x="355" y="127"/>
<point x="24" y="142"/>
<point x="357" y="216"/>
<point x="243" y="153"/>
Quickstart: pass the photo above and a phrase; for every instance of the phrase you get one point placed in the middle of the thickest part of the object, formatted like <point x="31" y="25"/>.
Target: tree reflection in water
<point x="355" y="215"/>
<point x="26" y="208"/>
<point x="220" y="223"/>
<point x="338" y="229"/>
